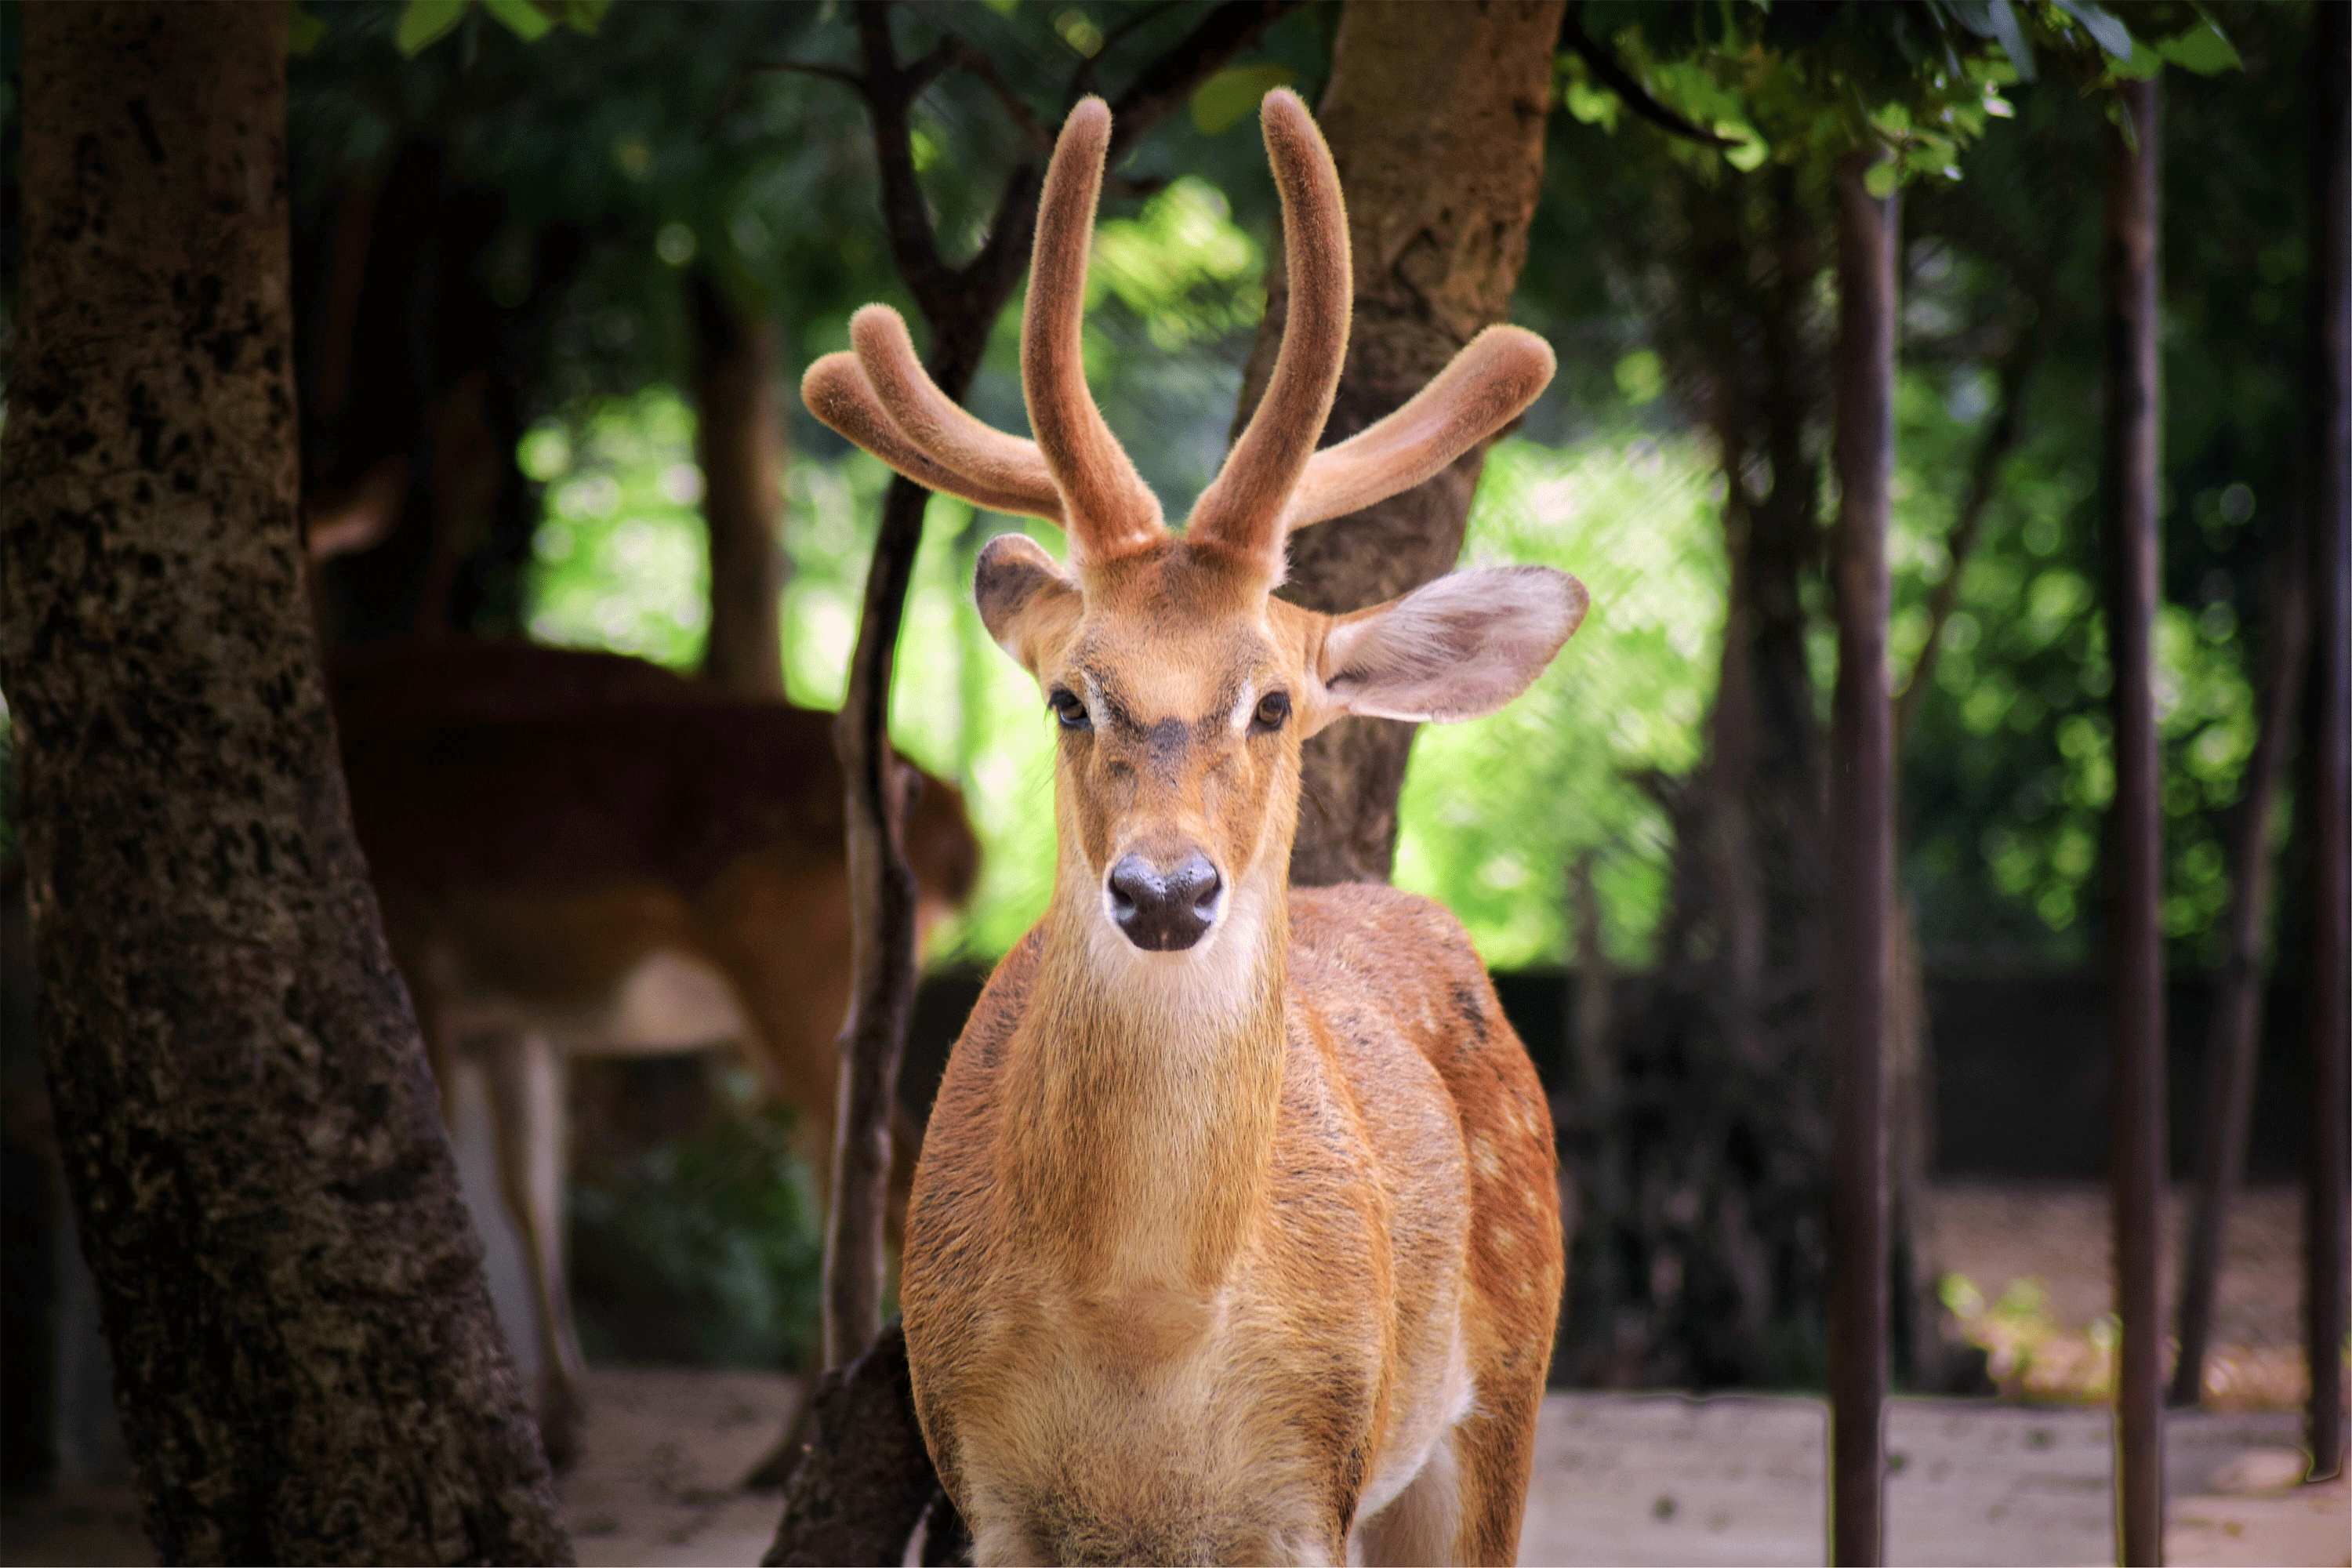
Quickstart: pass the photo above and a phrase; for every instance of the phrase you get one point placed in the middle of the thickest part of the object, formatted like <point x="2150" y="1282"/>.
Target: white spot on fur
<point x="1483" y="1155"/>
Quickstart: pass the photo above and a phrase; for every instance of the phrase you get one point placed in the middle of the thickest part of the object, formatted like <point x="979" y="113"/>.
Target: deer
<point x="1235" y="1237"/>
<point x="584" y="854"/>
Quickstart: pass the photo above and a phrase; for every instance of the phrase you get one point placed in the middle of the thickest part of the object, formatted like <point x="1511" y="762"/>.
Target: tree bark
<point x="306" y="1363"/>
<point x="1436" y="117"/>
<point x="2327" y="1213"/>
<point x="740" y="442"/>
<point x="1862" y="871"/>
<point x="2129" y="484"/>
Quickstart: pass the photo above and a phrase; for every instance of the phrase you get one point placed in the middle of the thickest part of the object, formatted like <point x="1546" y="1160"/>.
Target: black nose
<point x="1163" y="913"/>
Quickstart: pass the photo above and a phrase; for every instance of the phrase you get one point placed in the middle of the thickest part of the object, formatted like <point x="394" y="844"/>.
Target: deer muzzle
<point x="1164" y="910"/>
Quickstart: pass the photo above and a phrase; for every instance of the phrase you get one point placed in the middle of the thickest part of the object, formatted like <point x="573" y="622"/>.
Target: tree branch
<point x="848" y="79"/>
<point x="1198" y="56"/>
<point x="1621" y="81"/>
<point x="905" y="217"/>
<point x="970" y="56"/>
<point x="2000" y="439"/>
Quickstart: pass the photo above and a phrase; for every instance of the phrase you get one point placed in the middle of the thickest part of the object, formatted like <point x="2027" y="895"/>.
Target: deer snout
<point x="1164" y="911"/>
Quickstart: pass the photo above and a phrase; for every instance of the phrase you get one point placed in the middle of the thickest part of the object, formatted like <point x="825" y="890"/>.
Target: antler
<point x="1242" y="508"/>
<point x="1110" y="511"/>
<point x="1076" y="474"/>
<point x="1485" y="386"/>
<point x="838" y="392"/>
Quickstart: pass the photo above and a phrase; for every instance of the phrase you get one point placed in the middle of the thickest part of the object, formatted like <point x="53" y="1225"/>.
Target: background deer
<point x="584" y="854"/>
<point x="1236" y="1235"/>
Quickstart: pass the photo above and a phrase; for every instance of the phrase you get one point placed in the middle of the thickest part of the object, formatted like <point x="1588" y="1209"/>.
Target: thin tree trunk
<point x="1861" y="873"/>
<point x="2235" y="1040"/>
<point x="739" y="443"/>
<point x="2136" y="1074"/>
<point x="305" y="1358"/>
<point x="2327" y="1214"/>
<point x="1436" y="117"/>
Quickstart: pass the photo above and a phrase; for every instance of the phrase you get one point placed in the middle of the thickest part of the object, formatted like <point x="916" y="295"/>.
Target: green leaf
<point x="2202" y="50"/>
<point x="580" y="16"/>
<point x="1879" y="180"/>
<point x="2144" y="63"/>
<point x="422" y="21"/>
<point x="2103" y="25"/>
<point x="2003" y="22"/>
<point x="1222" y="102"/>
<point x="1750" y="155"/>
<point x="303" y="30"/>
<point x="523" y="19"/>
<point x="1002" y="7"/>
<point x="2119" y="116"/>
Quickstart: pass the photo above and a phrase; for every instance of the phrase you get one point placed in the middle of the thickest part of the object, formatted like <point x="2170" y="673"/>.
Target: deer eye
<point x="1272" y="709"/>
<point x="1069" y="710"/>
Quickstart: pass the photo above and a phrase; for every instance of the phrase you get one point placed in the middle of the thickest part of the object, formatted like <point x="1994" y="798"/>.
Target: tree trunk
<point x="306" y="1363"/>
<point x="2327" y="1215"/>
<point x="1436" y="117"/>
<point x="2129" y="480"/>
<point x="740" y="442"/>
<point x="2235" y="1040"/>
<point x="1861" y="873"/>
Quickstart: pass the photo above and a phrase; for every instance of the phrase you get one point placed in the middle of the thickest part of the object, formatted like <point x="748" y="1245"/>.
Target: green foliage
<point x="1230" y="97"/>
<point x="620" y="560"/>
<point x="1921" y="81"/>
<point x="423" y="21"/>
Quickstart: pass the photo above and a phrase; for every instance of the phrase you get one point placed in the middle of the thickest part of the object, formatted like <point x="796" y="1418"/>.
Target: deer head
<point x="1185" y="690"/>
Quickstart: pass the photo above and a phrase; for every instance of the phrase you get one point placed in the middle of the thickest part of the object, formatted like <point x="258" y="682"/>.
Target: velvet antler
<point x="1076" y="474"/>
<point x="1242" y="508"/>
<point x="1111" y="511"/>
<point x="1485" y="386"/>
<point x="838" y="392"/>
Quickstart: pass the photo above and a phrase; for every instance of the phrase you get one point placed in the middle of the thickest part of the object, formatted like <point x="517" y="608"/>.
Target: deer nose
<point x="1164" y="911"/>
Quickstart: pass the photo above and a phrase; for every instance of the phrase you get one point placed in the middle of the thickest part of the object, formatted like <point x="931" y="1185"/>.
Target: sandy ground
<point x="1619" y="1478"/>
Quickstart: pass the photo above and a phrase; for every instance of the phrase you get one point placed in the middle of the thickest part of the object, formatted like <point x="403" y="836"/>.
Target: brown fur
<point x="1242" y="1243"/>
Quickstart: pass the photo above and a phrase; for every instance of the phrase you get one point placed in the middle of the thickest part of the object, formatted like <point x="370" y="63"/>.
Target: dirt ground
<point x="2023" y="1240"/>
<point x="1633" y="1479"/>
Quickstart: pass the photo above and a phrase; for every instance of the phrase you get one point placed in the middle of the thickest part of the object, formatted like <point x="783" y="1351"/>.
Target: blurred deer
<point x="1235" y="1234"/>
<point x="580" y="853"/>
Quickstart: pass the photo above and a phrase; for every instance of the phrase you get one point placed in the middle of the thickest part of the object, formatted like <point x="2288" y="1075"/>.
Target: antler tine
<point x="1111" y="511"/>
<point x="936" y="423"/>
<point x="1243" y="509"/>
<point x="838" y="392"/>
<point x="1489" y="383"/>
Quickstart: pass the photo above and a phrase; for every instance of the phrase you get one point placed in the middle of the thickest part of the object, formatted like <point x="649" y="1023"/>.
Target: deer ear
<point x="1024" y="601"/>
<point x="1457" y="648"/>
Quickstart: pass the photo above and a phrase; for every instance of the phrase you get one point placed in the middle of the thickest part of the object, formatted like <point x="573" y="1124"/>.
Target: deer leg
<point x="527" y="1126"/>
<point x="1423" y="1522"/>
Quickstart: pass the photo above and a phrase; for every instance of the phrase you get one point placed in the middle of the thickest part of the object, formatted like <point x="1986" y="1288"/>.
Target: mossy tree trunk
<point x="306" y="1363"/>
<point x="1436" y="117"/>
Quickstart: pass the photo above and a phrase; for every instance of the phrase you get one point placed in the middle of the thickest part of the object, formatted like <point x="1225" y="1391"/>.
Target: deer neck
<point x="1148" y="1087"/>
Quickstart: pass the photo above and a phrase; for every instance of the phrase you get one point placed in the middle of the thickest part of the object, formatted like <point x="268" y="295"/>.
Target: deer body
<point x="1235" y="1236"/>
<point x="582" y="854"/>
